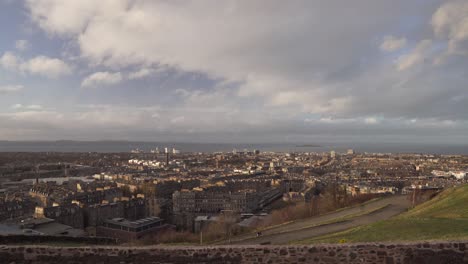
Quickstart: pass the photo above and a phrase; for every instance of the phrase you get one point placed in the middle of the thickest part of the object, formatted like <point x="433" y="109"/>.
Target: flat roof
<point x="135" y="223"/>
<point x="10" y="230"/>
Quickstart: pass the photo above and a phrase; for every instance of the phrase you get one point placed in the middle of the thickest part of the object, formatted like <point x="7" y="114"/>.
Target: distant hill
<point x="444" y="217"/>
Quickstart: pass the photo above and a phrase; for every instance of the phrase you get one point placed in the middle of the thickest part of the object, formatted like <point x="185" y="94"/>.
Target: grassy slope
<point x="444" y="217"/>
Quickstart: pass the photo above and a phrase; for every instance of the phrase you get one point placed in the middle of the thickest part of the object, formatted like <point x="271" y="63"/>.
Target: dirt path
<point x="380" y="210"/>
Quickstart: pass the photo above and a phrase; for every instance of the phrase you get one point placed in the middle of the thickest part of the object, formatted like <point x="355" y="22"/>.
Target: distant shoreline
<point x="309" y="146"/>
<point x="127" y="146"/>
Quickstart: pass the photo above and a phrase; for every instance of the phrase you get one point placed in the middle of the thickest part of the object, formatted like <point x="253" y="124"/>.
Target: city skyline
<point x="234" y="71"/>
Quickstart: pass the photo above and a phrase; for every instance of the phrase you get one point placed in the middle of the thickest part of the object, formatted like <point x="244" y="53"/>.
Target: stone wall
<point x="434" y="252"/>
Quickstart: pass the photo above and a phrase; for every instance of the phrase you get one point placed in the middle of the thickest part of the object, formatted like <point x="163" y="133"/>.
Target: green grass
<point x="399" y="230"/>
<point x="444" y="217"/>
<point x="452" y="203"/>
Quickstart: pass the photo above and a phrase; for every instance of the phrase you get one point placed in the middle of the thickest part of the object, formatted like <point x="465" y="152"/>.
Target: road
<point x="317" y="226"/>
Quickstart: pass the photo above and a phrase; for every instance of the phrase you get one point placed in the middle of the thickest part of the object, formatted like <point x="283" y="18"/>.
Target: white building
<point x="459" y="174"/>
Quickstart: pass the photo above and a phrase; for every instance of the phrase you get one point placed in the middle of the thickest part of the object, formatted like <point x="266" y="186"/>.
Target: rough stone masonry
<point x="390" y="253"/>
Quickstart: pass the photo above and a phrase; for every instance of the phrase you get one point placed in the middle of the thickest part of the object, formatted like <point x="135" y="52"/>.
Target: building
<point x="95" y="215"/>
<point x="15" y="209"/>
<point x="293" y="197"/>
<point x="127" y="230"/>
<point x="47" y="226"/>
<point x="293" y="185"/>
<point x="71" y="215"/>
<point x="460" y="175"/>
<point x="441" y="174"/>
<point x="214" y="202"/>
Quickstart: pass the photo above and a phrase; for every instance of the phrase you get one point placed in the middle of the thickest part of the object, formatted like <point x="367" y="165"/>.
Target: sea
<point x="318" y="147"/>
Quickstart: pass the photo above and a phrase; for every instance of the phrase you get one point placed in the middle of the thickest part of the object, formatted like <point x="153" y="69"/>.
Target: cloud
<point x="27" y="107"/>
<point x="5" y="89"/>
<point x="102" y="78"/>
<point x="340" y="121"/>
<point x="45" y="66"/>
<point x="371" y="120"/>
<point x="391" y="43"/>
<point x="247" y="42"/>
<point x="33" y="118"/>
<point x="40" y="65"/>
<point x="331" y="120"/>
<point x="22" y="44"/>
<point x="141" y="73"/>
<point x="9" y="61"/>
<point x="417" y="56"/>
<point x="34" y="107"/>
<point x="450" y="22"/>
<point x="267" y="66"/>
<point x="17" y="106"/>
<point x="158" y="123"/>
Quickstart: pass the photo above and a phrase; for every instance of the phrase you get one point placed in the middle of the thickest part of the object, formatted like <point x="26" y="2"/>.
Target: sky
<point x="234" y="71"/>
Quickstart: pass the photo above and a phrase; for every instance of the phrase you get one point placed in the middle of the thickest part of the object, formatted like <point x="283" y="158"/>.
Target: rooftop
<point x="134" y="224"/>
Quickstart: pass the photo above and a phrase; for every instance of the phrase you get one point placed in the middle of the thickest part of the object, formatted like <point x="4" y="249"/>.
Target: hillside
<point x="444" y="217"/>
<point x="452" y="204"/>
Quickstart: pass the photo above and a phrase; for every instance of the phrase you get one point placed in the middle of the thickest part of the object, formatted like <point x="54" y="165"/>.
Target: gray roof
<point x="9" y="230"/>
<point x="133" y="224"/>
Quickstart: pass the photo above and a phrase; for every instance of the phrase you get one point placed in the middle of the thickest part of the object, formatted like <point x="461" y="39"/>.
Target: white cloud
<point x="46" y="66"/>
<point x="279" y="61"/>
<point x="40" y="65"/>
<point x="66" y="17"/>
<point x="36" y="117"/>
<point x="27" y="107"/>
<point x="9" y="61"/>
<point x="450" y="22"/>
<point x="34" y="107"/>
<point x="102" y="78"/>
<point x="371" y="120"/>
<point x="391" y="43"/>
<point x="178" y="120"/>
<point x="358" y="120"/>
<point x="140" y="73"/>
<point x="331" y="120"/>
<point x="17" y="106"/>
<point x="10" y="88"/>
<point x="270" y="48"/>
<point x="416" y="56"/>
<point x="22" y="44"/>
